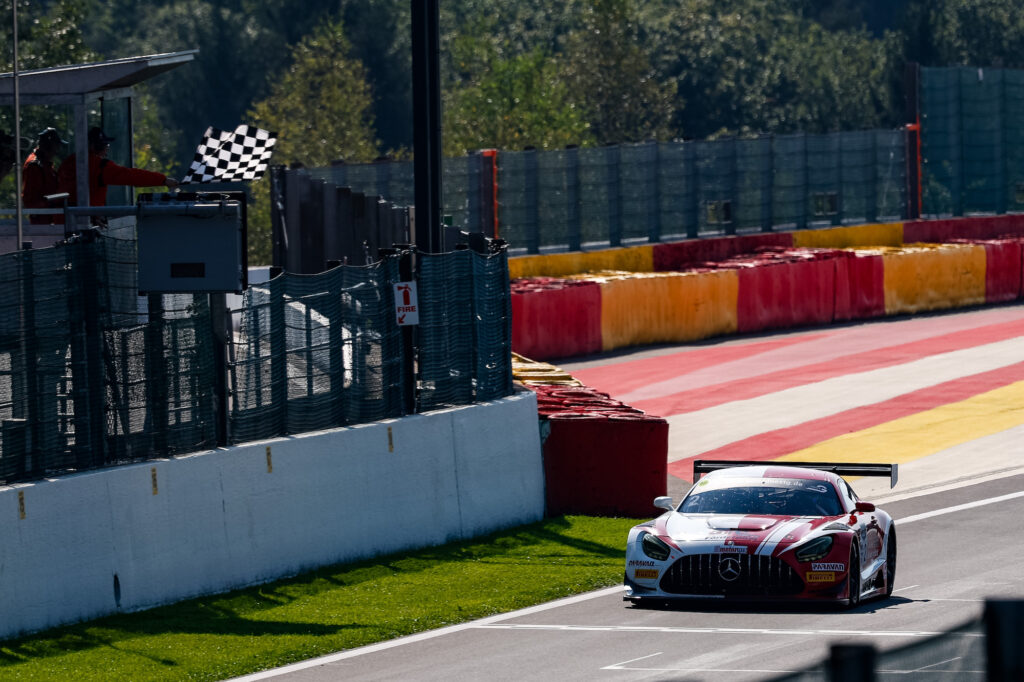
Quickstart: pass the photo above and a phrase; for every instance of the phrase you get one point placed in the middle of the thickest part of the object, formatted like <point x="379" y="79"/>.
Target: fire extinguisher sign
<point x="407" y="310"/>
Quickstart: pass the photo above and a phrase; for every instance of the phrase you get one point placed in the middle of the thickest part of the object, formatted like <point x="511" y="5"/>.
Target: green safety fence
<point x="316" y="351"/>
<point x="93" y="375"/>
<point x="464" y="335"/>
<point x="90" y="374"/>
<point x="972" y="141"/>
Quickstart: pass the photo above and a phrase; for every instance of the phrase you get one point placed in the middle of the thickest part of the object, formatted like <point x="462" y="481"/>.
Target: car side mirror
<point x="865" y="507"/>
<point x="664" y="502"/>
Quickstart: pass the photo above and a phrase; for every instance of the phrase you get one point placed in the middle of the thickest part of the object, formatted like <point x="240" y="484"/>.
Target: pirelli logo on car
<point x="645" y="574"/>
<point x="821" y="576"/>
<point x="828" y="567"/>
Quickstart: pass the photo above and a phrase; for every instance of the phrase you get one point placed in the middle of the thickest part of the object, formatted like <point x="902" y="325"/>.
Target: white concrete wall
<point x="224" y="519"/>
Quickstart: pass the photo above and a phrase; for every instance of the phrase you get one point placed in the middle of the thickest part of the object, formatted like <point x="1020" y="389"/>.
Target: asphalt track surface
<point x="943" y="395"/>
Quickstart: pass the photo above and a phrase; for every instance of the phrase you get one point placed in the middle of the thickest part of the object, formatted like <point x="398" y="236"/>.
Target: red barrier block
<point x="559" y="321"/>
<point x="952" y="229"/>
<point x="605" y="465"/>
<point x="678" y="256"/>
<point x="1002" y="268"/>
<point x="779" y="295"/>
<point x="860" y="287"/>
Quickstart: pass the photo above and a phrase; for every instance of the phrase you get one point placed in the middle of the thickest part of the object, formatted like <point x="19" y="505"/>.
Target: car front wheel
<point x="853" y="581"/>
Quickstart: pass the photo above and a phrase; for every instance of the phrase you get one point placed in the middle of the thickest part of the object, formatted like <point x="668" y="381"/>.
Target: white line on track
<point x="724" y="631"/>
<point x="490" y="621"/>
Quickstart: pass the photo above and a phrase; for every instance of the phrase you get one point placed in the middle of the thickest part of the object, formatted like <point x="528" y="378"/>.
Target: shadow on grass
<point x="231" y="613"/>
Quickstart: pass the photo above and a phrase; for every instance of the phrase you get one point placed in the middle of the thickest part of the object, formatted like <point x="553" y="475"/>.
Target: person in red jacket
<point x="103" y="172"/>
<point x="39" y="176"/>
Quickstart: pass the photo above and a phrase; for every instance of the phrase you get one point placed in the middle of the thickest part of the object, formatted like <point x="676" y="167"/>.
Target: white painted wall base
<point x="214" y="521"/>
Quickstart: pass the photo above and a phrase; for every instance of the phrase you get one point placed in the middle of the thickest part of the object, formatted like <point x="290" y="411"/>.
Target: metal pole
<point x="426" y="101"/>
<point x="17" y="125"/>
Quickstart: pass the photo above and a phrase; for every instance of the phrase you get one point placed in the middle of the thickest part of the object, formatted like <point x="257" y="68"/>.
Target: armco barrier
<point x="600" y="456"/>
<point x="933" y="277"/>
<point x="860" y="286"/>
<point x="677" y="256"/>
<point x="1002" y="268"/>
<point x="880" y="234"/>
<point x="632" y="259"/>
<point x="131" y="537"/>
<point x="606" y="465"/>
<point x="793" y="288"/>
<point x="556" y="318"/>
<point x="652" y="308"/>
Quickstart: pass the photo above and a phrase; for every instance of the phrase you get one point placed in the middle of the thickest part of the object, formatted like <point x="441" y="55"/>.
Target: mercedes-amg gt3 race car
<point x="756" y="530"/>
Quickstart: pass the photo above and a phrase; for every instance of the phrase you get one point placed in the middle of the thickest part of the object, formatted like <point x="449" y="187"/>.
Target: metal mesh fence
<point x="972" y="143"/>
<point x="465" y="332"/>
<point x="90" y="374"/>
<point x="316" y="351"/>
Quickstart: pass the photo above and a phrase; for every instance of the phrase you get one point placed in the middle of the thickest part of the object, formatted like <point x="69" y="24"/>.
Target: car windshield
<point x="790" y="498"/>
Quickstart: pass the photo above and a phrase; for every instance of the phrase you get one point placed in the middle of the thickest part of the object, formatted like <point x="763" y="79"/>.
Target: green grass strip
<point x="332" y="609"/>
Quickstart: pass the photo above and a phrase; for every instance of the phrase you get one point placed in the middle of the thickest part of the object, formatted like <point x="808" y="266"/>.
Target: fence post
<point x="692" y="210"/>
<point x="572" y="197"/>
<point x="278" y="223"/>
<point x="278" y="354"/>
<point x="612" y="159"/>
<point x="405" y="274"/>
<point x="851" y="663"/>
<point x="767" y="143"/>
<point x="1004" y="622"/>
<point x="912" y="85"/>
<point x="156" y="374"/>
<point x="652" y="163"/>
<point x="219" y="320"/>
<point x="531" y="196"/>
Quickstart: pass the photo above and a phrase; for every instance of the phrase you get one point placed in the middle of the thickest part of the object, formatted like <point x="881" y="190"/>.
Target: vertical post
<point x="851" y="663"/>
<point x="871" y="201"/>
<point x="572" y="197"/>
<point x="156" y="375"/>
<point x="426" y="97"/>
<point x="17" y="124"/>
<point x="489" y="191"/>
<point x="278" y="222"/>
<point x="837" y="217"/>
<point x="1004" y="621"/>
<point x="652" y="163"/>
<point x="692" y="211"/>
<point x="912" y="85"/>
<point x="276" y="290"/>
<point x="612" y="158"/>
<point x="767" y="143"/>
<point x="531" y="195"/>
<point x="219" y="320"/>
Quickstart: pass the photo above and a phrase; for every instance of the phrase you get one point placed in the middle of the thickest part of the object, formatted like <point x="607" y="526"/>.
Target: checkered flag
<point x="231" y="156"/>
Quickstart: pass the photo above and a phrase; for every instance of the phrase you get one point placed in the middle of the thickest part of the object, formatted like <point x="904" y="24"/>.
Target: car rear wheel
<point x="853" y="581"/>
<point x="890" y="562"/>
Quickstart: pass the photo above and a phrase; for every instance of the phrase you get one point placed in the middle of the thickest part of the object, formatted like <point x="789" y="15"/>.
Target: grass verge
<point x="335" y="608"/>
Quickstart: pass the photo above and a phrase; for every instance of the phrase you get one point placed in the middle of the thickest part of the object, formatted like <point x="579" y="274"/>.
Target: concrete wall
<point x="128" y="538"/>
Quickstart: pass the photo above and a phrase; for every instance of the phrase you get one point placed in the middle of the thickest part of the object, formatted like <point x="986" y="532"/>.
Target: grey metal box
<point x="190" y="247"/>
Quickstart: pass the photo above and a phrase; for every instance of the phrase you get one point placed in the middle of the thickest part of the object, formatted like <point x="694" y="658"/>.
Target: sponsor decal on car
<point x="640" y="562"/>
<point x="731" y="549"/>
<point x="828" y="567"/>
<point x="645" y="574"/>
<point x="821" y="577"/>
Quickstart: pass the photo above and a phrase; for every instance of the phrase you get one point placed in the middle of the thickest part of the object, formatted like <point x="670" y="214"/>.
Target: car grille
<point x="731" y="574"/>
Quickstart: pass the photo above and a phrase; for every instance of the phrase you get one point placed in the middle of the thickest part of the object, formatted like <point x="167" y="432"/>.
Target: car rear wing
<point x="704" y="466"/>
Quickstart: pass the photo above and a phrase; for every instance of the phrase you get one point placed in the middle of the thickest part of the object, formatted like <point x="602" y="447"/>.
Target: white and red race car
<point x="757" y="530"/>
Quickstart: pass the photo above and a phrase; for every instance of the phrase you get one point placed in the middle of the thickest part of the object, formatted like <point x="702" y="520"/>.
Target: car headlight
<point x="654" y="547"/>
<point x="815" y="549"/>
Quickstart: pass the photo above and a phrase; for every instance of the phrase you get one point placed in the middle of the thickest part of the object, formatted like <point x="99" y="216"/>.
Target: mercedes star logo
<point x="729" y="568"/>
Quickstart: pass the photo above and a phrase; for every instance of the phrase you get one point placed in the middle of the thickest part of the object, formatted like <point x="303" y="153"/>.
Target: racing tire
<point x="853" y="579"/>
<point x="890" y="562"/>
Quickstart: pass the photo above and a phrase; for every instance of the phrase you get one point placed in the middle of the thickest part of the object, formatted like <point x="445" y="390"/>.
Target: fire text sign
<point x="407" y="310"/>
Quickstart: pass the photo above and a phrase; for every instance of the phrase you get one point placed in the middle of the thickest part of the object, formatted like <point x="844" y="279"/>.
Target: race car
<point x="766" y="531"/>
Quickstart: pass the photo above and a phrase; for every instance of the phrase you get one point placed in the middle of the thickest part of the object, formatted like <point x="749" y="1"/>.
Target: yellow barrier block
<point x="631" y="259"/>
<point x="666" y="307"/>
<point x="880" y="234"/>
<point x="924" y="277"/>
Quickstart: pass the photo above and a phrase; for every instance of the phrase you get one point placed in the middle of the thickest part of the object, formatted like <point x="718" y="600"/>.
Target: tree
<point x="965" y="33"/>
<point x="610" y="77"/>
<point x="320" y="108"/>
<point x="517" y="102"/>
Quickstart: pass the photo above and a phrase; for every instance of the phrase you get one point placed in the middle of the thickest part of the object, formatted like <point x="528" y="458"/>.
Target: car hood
<point x="723" y="532"/>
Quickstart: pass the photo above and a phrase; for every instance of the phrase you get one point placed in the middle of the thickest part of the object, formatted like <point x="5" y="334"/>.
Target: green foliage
<point x="611" y="79"/>
<point x="334" y="608"/>
<point x="517" y="102"/>
<point x="965" y="32"/>
<point x="320" y="108"/>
